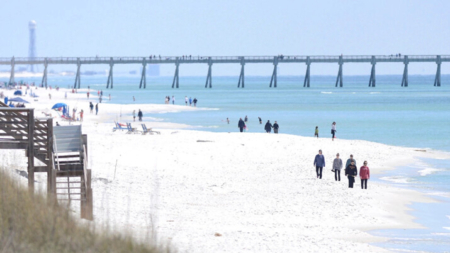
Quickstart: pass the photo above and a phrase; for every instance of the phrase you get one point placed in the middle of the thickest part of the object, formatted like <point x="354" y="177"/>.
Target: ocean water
<point x="415" y="116"/>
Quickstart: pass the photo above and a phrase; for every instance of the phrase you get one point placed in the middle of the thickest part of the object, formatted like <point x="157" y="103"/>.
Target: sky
<point x="232" y="28"/>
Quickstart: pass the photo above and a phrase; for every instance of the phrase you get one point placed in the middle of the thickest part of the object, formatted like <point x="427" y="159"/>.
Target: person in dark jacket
<point x="268" y="127"/>
<point x="140" y="115"/>
<point x="260" y="120"/>
<point x="351" y="172"/>
<point x="319" y="163"/>
<point x="241" y="125"/>
<point x="275" y="127"/>
<point x="245" y="119"/>
<point x="349" y="161"/>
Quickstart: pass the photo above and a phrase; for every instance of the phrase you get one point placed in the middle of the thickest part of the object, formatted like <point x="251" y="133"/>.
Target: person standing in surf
<point x="245" y="119"/>
<point x="260" y="120"/>
<point x="140" y="115"/>
<point x="275" y="127"/>
<point x="241" y="125"/>
<point x="268" y="127"/>
<point x="333" y="130"/>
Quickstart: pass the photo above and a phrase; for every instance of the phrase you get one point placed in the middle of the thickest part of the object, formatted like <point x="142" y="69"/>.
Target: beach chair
<point x="119" y="127"/>
<point x="148" y="130"/>
<point x="131" y="129"/>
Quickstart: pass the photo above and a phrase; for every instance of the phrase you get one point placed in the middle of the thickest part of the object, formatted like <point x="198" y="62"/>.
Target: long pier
<point x="242" y="60"/>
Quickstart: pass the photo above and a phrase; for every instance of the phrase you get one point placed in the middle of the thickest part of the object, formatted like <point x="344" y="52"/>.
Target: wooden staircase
<point x="62" y="151"/>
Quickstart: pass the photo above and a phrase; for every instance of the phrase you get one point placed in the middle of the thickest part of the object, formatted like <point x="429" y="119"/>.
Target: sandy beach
<point x="230" y="192"/>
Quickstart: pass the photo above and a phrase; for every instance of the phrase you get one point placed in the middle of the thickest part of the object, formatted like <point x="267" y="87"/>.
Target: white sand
<point x="258" y="191"/>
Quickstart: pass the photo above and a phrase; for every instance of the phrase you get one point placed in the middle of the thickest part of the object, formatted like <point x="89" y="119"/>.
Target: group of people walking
<point x="140" y="115"/>
<point x="351" y="171"/>
<point x="190" y="101"/>
<point x="242" y="125"/>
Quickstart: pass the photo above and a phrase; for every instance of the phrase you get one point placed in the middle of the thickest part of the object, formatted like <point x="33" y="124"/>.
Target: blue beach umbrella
<point x="59" y="105"/>
<point x="18" y="93"/>
<point x="18" y="99"/>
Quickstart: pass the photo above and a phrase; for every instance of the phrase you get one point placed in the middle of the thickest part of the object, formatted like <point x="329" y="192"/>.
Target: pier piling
<point x="274" y="74"/>
<point x="11" y="77"/>
<point x="372" y="80"/>
<point x="208" y="77"/>
<point x="405" y="72"/>
<point x="44" y="76"/>
<point x="110" y="76"/>
<point x="339" y="77"/>
<point x="437" y="80"/>
<point x="143" y="75"/>
<point x="175" y="77"/>
<point x="307" y="75"/>
<point x="241" y="76"/>
<point x="77" y="77"/>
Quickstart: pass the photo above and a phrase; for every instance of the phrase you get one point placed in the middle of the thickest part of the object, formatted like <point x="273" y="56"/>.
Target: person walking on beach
<point x="337" y="166"/>
<point x="241" y="125"/>
<point x="364" y="174"/>
<point x="140" y="115"/>
<point x="134" y="115"/>
<point x="185" y="100"/>
<point x="173" y="100"/>
<point x="260" y="120"/>
<point x="319" y="163"/>
<point x="349" y="161"/>
<point x="81" y="115"/>
<point x="245" y="119"/>
<point x="195" y="102"/>
<point x="316" y="133"/>
<point x="268" y="127"/>
<point x="351" y="172"/>
<point x="333" y="130"/>
<point x="275" y="127"/>
<point x="91" y="106"/>
<point x="87" y="94"/>
<point x="190" y="101"/>
<point x="96" y="109"/>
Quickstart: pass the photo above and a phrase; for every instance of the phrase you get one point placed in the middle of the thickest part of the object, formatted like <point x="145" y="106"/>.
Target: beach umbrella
<point x="59" y="105"/>
<point x="18" y="99"/>
<point x="18" y="93"/>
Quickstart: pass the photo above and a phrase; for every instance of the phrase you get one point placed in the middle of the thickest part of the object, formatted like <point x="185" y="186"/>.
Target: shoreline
<point x="395" y="212"/>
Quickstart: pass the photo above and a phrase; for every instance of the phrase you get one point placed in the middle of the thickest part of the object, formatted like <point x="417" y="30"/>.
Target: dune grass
<point x="31" y="223"/>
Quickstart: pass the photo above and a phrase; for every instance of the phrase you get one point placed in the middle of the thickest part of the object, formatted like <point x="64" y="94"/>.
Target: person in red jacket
<point x="364" y="174"/>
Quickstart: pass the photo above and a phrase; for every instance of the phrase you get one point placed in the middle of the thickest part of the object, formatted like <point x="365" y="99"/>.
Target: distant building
<point x="32" y="45"/>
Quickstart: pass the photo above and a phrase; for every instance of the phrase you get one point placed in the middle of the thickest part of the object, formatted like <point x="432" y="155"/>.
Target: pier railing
<point x="242" y="60"/>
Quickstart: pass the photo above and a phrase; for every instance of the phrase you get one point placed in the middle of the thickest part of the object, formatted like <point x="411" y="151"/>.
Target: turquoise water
<point x="416" y="116"/>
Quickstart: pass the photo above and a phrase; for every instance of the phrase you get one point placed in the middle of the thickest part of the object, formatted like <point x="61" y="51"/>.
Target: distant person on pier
<point x="316" y="133"/>
<point x="173" y="100"/>
<point x="140" y="115"/>
<point x="364" y="174"/>
<point x="195" y="102"/>
<point x="260" y="120"/>
<point x="245" y="119"/>
<point x="268" y="127"/>
<point x="351" y="172"/>
<point x="96" y="109"/>
<point x="186" y="100"/>
<point x="134" y="115"/>
<point x="91" y="106"/>
<point x="190" y="101"/>
<point x="333" y="130"/>
<point x="319" y="163"/>
<point x="275" y="127"/>
<point x="337" y="166"/>
<point x="241" y="125"/>
<point x="349" y="161"/>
